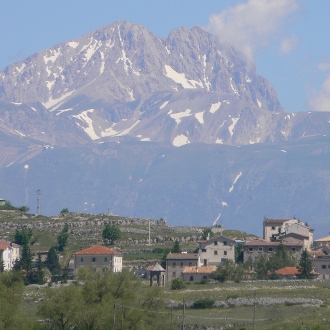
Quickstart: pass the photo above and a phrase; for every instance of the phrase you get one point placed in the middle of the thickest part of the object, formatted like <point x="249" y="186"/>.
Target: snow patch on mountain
<point x="259" y="103"/>
<point x="215" y="107"/>
<point x="180" y="140"/>
<point x="89" y="129"/>
<point x="55" y="53"/>
<point x="219" y="141"/>
<point x="179" y="115"/>
<point x="163" y="105"/>
<point x="200" y="117"/>
<point x="232" y="126"/>
<point x="180" y="78"/>
<point x="73" y="44"/>
<point x="233" y="185"/>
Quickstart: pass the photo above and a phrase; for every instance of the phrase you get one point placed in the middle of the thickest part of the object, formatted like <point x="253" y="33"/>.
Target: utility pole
<point x="122" y="317"/>
<point x="114" y="317"/>
<point x="254" y="311"/>
<point x="149" y="232"/>
<point x="38" y="201"/>
<point x="183" y="312"/>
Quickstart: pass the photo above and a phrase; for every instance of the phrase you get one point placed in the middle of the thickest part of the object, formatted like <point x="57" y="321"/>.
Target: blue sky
<point x="287" y="39"/>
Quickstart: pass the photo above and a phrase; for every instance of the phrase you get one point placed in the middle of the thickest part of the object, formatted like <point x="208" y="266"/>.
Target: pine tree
<point x="52" y="261"/>
<point x="305" y="266"/>
<point x="176" y="247"/>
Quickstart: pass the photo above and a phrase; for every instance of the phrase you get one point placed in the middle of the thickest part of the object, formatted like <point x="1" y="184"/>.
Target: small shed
<point x="2" y="202"/>
<point x="159" y="272"/>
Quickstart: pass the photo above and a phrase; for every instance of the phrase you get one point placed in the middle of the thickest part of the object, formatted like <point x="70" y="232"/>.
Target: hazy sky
<point x="287" y="39"/>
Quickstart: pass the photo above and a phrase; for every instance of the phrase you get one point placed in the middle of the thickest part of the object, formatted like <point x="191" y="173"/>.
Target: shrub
<point x="177" y="284"/>
<point x="203" y="303"/>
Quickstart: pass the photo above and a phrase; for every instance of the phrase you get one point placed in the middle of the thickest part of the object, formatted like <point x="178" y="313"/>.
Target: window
<point x="324" y="266"/>
<point x="224" y="242"/>
<point x="250" y="249"/>
<point x="270" y="249"/>
<point x="203" y="250"/>
<point x="174" y="274"/>
<point x="328" y="266"/>
<point x="81" y="259"/>
<point x="205" y="262"/>
<point x="260" y="249"/>
<point x="293" y="249"/>
<point x="181" y="264"/>
<point x="106" y="259"/>
<point x="224" y="253"/>
<point x="190" y="263"/>
<point x="273" y="227"/>
<point x="215" y="253"/>
<point x="191" y="278"/>
<point x="215" y="242"/>
<point x="93" y="259"/>
<point x="174" y="264"/>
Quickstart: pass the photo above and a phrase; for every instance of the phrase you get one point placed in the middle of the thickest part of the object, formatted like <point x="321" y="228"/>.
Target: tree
<point x="261" y="267"/>
<point x="24" y="209"/>
<point x="207" y="232"/>
<point x="239" y="253"/>
<point x="62" y="238"/>
<point x="64" y="210"/>
<point x="52" y="261"/>
<point x="177" y="284"/>
<point x="305" y="266"/>
<point x="279" y="259"/>
<point x="2" y="267"/>
<point x="111" y="233"/>
<point x="176" y="247"/>
<point x="223" y="272"/>
<point x="23" y="236"/>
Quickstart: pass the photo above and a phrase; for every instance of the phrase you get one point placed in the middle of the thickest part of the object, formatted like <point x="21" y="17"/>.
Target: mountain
<point x="97" y="120"/>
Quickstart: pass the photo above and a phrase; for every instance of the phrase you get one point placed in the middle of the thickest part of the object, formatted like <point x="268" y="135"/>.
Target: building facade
<point x="193" y="273"/>
<point x="9" y="253"/>
<point x="98" y="257"/>
<point x="320" y="258"/>
<point x="176" y="262"/>
<point x="259" y="247"/>
<point x="216" y="250"/>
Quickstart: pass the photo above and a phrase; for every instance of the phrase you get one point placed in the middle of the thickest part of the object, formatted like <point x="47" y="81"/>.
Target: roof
<point x="263" y="242"/>
<point x="182" y="256"/>
<point x="4" y="244"/>
<point x="287" y="271"/>
<point x="98" y="249"/>
<point x="323" y="239"/>
<point x="157" y="268"/>
<point x="211" y="239"/>
<point x="296" y="234"/>
<point x="199" y="270"/>
<point x="279" y="221"/>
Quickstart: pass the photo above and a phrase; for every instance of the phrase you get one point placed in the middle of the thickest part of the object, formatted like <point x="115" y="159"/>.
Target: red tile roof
<point x="3" y="244"/>
<point x="98" y="249"/>
<point x="287" y="271"/>
<point x="263" y="242"/>
<point x="199" y="270"/>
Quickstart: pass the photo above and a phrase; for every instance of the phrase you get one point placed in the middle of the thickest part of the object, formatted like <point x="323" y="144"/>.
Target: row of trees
<point x="101" y="300"/>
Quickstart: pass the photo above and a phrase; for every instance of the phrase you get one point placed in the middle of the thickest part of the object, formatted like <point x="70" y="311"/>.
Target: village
<point x="212" y="251"/>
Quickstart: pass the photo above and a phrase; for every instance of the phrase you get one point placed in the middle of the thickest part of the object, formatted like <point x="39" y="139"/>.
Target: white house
<point x="9" y="253"/>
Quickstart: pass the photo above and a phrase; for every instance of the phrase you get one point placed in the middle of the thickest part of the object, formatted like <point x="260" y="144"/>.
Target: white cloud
<point x="324" y="66"/>
<point x="321" y="101"/>
<point x="288" y="44"/>
<point x="252" y="25"/>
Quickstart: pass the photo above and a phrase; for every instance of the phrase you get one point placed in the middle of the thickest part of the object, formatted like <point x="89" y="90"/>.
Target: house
<point x="9" y="253"/>
<point x="320" y="258"/>
<point x="322" y="241"/>
<point x="194" y="273"/>
<point x="297" y="238"/>
<point x="252" y="250"/>
<point x="2" y="202"/>
<point x="288" y="273"/>
<point x="276" y="228"/>
<point x="176" y="262"/>
<point x="216" y="250"/>
<point x="98" y="256"/>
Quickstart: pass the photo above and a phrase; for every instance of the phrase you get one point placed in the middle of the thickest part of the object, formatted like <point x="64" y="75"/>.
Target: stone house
<point x="98" y="256"/>
<point x="194" y="273"/>
<point x="287" y="226"/>
<point x="252" y="250"/>
<point x="320" y="258"/>
<point x="216" y="250"/>
<point x="9" y="253"/>
<point x="322" y="241"/>
<point x="176" y="262"/>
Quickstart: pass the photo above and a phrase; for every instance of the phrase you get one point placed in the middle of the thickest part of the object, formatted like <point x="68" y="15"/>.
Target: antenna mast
<point x="38" y="201"/>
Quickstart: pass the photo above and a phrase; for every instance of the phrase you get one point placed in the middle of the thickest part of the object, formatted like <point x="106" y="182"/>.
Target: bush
<point x="177" y="284"/>
<point x="203" y="303"/>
